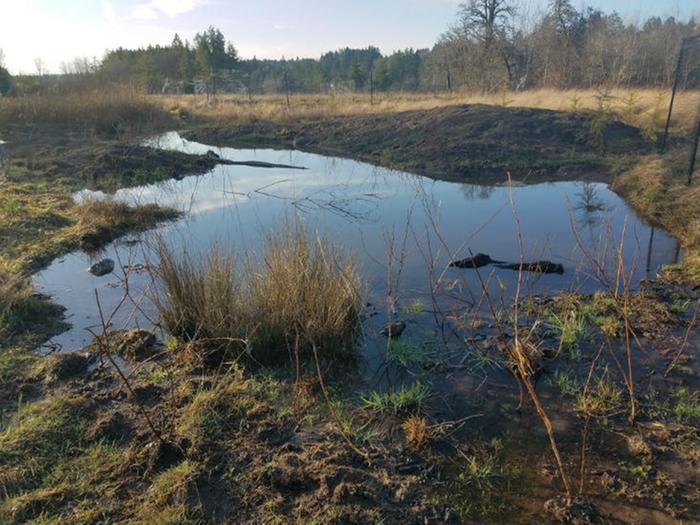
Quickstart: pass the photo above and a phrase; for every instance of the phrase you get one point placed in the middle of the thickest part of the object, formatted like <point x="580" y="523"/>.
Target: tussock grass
<point x="305" y="293"/>
<point x="644" y="108"/>
<point x="105" y="113"/>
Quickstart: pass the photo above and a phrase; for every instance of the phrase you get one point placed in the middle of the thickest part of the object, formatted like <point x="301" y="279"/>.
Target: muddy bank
<point x="477" y="143"/>
<point x="42" y="167"/>
<point x="75" y="161"/>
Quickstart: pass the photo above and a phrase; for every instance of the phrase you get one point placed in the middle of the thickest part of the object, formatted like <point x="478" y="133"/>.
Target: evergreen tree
<point x="358" y="76"/>
<point x="5" y="77"/>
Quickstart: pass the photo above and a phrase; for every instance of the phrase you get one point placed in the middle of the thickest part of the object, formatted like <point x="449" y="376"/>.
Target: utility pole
<point x="371" y="87"/>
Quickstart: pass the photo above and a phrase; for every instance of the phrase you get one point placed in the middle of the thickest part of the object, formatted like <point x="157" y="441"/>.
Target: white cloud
<point x="108" y="11"/>
<point x="171" y="8"/>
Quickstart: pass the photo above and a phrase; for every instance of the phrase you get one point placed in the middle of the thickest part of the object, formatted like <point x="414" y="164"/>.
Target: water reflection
<point x="473" y="191"/>
<point x="403" y="229"/>
<point x="590" y="204"/>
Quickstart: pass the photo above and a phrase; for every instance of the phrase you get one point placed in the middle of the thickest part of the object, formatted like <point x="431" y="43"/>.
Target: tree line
<point x="487" y="48"/>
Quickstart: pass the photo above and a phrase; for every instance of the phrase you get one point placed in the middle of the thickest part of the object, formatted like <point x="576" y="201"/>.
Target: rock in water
<point x="104" y="267"/>
<point x="394" y="329"/>
<point x="479" y="260"/>
<point x="535" y="267"/>
<point x="211" y="154"/>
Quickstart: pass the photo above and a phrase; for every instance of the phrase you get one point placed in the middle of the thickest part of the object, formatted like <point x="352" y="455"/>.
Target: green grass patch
<point x="405" y="399"/>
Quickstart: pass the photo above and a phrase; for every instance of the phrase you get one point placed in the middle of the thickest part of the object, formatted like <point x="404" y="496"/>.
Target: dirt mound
<point x="459" y="142"/>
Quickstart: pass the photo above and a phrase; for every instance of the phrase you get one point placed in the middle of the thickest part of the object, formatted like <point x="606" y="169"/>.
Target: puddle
<point x="362" y="208"/>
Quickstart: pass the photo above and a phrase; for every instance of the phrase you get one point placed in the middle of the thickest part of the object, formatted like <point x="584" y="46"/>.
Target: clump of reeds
<point x="302" y="293"/>
<point x="102" y="112"/>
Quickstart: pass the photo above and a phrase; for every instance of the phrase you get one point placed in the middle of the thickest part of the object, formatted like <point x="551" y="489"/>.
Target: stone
<point x="394" y="329"/>
<point x="104" y="267"/>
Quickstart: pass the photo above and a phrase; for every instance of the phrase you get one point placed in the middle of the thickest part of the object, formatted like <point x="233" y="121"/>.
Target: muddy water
<point x="370" y="212"/>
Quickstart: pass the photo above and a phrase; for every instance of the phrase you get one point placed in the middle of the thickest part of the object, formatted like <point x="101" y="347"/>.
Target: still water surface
<point x="371" y="213"/>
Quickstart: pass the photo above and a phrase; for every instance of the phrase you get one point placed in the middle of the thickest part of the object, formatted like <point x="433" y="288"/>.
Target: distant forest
<point x="486" y="49"/>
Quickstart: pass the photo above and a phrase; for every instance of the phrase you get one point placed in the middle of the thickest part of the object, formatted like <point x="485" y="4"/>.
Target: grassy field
<point x="251" y="410"/>
<point x="644" y="108"/>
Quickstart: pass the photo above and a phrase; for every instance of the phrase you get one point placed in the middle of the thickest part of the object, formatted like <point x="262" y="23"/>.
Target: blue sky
<point x="59" y="30"/>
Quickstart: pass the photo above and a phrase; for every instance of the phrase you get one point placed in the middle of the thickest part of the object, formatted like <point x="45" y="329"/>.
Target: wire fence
<point x="688" y="55"/>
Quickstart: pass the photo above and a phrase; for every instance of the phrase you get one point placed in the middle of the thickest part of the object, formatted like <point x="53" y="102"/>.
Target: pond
<point x="403" y="229"/>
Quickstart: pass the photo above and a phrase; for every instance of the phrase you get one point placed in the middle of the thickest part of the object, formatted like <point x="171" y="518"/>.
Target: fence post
<point x="694" y="153"/>
<point x="286" y="85"/>
<point x="662" y="146"/>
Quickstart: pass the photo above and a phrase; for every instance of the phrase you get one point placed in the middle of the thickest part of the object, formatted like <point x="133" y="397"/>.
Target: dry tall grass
<point x="305" y="293"/>
<point x="644" y="107"/>
<point x="110" y="112"/>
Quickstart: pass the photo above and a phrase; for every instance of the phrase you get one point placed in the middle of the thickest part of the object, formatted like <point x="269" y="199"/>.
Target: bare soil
<point x="474" y="142"/>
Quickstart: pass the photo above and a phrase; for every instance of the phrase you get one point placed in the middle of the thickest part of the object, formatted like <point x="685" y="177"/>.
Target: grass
<point x="600" y="399"/>
<point x="643" y="108"/>
<point x="170" y="497"/>
<point x="418" y="435"/>
<point x="686" y="406"/>
<point x="569" y="327"/>
<point x="301" y="293"/>
<point x="101" y="221"/>
<point x="405" y="399"/>
<point x="91" y="479"/>
<point x="36" y="436"/>
<point x="105" y="113"/>
<point x="39" y="222"/>
<point x="566" y="383"/>
<point x="657" y="188"/>
<point x="405" y="353"/>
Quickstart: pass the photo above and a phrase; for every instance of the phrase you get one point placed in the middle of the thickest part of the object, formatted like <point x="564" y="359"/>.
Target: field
<point x="250" y="407"/>
<point x="643" y="108"/>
